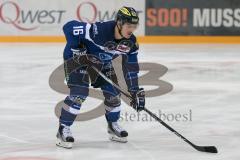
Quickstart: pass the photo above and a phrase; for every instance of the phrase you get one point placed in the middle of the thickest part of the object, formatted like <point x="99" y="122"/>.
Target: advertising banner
<point x="46" y="17"/>
<point x="193" y="17"/>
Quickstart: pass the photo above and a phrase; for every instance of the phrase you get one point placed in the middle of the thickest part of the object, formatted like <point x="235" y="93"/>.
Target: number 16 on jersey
<point x="77" y="30"/>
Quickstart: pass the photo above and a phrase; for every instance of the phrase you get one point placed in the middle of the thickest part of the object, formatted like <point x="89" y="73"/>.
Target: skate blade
<point x="117" y="139"/>
<point x="63" y="144"/>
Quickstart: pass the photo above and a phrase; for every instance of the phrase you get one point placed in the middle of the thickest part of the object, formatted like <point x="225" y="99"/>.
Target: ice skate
<point x="64" y="137"/>
<point x="116" y="133"/>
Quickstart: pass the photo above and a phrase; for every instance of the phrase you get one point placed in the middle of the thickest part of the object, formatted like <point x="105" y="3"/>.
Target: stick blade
<point x="209" y="149"/>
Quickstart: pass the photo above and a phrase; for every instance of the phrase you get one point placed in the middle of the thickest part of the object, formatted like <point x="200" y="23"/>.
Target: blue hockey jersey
<point x="100" y="41"/>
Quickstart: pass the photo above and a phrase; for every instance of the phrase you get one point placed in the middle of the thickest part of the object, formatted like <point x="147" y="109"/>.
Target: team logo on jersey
<point x="123" y="46"/>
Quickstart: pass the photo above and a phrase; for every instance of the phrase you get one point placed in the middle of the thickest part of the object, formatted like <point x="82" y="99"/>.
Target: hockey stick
<point x="210" y="149"/>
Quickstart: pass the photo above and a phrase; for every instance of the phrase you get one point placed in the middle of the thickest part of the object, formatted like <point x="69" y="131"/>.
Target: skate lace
<point x="117" y="127"/>
<point x="66" y="131"/>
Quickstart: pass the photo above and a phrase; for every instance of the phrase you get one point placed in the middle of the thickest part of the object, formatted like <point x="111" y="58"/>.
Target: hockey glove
<point x="138" y="101"/>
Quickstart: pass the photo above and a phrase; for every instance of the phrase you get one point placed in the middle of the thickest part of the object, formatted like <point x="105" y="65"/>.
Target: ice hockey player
<point x="99" y="43"/>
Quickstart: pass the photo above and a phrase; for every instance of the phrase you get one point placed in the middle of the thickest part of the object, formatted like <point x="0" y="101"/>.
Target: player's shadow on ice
<point x="99" y="144"/>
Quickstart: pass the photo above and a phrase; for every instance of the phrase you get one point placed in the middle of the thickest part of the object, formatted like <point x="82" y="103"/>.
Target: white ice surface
<point x="206" y="80"/>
